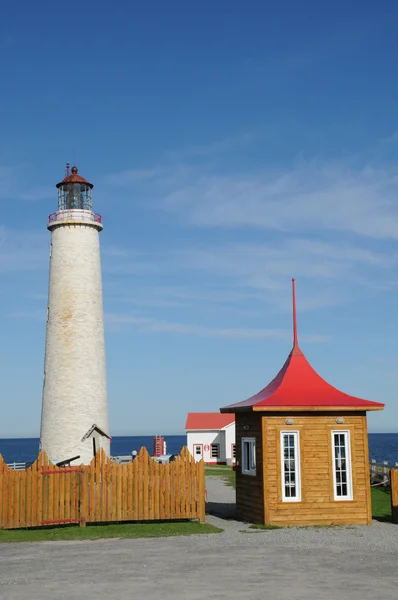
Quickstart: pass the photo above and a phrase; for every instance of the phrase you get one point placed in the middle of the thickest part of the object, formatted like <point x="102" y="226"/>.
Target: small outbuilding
<point x="97" y="435"/>
<point x="211" y="437"/>
<point x="302" y="450"/>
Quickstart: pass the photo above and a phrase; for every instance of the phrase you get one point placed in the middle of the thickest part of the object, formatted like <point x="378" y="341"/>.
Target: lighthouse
<point x="74" y="420"/>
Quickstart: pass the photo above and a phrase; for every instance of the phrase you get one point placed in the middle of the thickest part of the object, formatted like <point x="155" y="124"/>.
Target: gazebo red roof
<point x="298" y="386"/>
<point x="74" y="178"/>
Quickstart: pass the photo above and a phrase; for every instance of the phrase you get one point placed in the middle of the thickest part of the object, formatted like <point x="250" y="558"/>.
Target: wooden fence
<point x="142" y="490"/>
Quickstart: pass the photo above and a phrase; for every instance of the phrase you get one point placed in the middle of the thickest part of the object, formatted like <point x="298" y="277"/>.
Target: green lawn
<point x="381" y="503"/>
<point x="95" y="532"/>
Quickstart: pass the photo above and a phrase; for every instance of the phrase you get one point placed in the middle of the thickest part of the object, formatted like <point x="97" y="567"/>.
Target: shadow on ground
<point x="222" y="510"/>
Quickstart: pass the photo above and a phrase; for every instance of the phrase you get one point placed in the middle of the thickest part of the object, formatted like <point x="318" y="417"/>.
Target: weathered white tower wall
<point x="74" y="389"/>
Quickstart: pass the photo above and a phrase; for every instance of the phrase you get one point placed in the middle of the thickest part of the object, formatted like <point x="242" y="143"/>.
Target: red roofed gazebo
<point x="302" y="449"/>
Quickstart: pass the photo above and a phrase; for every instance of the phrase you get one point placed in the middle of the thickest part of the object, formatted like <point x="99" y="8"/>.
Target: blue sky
<point x="232" y="146"/>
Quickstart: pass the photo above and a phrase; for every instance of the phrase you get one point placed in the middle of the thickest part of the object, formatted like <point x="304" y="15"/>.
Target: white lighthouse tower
<point x="74" y="421"/>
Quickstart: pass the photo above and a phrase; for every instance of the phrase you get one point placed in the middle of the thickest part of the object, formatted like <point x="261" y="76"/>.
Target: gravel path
<point x="351" y="563"/>
<point x="371" y="550"/>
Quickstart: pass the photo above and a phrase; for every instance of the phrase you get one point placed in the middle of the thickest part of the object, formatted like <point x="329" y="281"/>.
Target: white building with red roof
<point x="211" y="437"/>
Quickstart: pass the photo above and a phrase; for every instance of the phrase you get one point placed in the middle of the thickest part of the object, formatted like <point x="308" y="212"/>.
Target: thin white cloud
<point x="213" y="148"/>
<point x="38" y="315"/>
<point x="308" y="196"/>
<point x="37" y="194"/>
<point x="23" y="250"/>
<point x="144" y="324"/>
<point x="130" y="176"/>
<point x="391" y="139"/>
<point x="13" y="188"/>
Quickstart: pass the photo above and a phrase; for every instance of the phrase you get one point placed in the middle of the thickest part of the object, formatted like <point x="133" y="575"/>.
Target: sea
<point x="382" y="446"/>
<point x="26" y="449"/>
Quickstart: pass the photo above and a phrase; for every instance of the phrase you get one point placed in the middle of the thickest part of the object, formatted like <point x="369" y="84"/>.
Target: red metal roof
<point x="74" y="178"/>
<point x="298" y="385"/>
<point x="208" y="420"/>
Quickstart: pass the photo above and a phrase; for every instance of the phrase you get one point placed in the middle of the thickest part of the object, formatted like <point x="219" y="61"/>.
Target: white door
<point x="198" y="451"/>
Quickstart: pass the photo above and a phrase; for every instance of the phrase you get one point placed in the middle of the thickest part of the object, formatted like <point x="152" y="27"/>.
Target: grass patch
<point x="381" y="503"/>
<point x="228" y="475"/>
<point x="97" y="532"/>
<point x="247" y="531"/>
<point x="217" y="472"/>
<point x="258" y="526"/>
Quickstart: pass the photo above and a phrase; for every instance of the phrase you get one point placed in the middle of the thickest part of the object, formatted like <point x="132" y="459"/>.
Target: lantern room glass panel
<point x="75" y="196"/>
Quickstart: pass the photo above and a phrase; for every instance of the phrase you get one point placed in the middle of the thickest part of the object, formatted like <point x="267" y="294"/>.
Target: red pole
<point x="295" y="341"/>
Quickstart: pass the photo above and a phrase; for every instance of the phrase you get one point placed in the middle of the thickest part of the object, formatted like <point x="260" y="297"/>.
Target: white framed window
<point x="342" y="474"/>
<point x="215" y="450"/>
<point x="290" y="463"/>
<point x="249" y="456"/>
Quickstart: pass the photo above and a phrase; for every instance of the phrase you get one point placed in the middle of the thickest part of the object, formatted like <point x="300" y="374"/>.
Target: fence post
<point x="394" y="494"/>
<point x="386" y="472"/>
<point x="83" y="496"/>
<point x="201" y="491"/>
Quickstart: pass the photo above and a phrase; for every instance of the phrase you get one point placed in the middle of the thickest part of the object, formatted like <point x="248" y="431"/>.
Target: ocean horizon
<point x="382" y="446"/>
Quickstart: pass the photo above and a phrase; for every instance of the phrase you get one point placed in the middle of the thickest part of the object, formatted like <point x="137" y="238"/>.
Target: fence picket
<point x="130" y="491"/>
<point x="135" y="491"/>
<point x="2" y="466"/>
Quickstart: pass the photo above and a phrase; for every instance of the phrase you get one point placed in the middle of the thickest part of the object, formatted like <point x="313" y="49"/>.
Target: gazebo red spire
<point x="298" y="386"/>
<point x="296" y="349"/>
<point x="295" y="342"/>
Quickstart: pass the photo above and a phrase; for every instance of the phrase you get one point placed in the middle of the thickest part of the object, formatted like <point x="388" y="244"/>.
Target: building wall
<point x="249" y="488"/>
<point x="205" y="439"/>
<point x="230" y="440"/>
<point x="74" y="387"/>
<point x="317" y="504"/>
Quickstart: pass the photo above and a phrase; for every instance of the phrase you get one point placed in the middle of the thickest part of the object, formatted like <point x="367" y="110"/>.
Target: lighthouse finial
<point x="295" y="340"/>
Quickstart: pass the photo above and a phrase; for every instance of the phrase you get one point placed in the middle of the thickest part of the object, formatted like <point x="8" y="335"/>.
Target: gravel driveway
<point x="350" y="563"/>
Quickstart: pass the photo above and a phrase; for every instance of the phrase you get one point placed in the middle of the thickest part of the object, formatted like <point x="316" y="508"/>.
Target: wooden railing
<point x="103" y="491"/>
<point x="380" y="472"/>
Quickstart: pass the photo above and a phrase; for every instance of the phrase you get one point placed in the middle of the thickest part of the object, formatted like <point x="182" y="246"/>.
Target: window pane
<point x="249" y="456"/>
<point x="246" y="456"/>
<point x="289" y="465"/>
<point x="215" y="451"/>
<point x="341" y="465"/>
<point x="252" y="455"/>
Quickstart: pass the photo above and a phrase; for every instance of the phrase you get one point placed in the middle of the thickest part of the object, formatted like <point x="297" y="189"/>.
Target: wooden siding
<point x="317" y="505"/>
<point x="394" y="494"/>
<point x="249" y="488"/>
<point x="102" y="491"/>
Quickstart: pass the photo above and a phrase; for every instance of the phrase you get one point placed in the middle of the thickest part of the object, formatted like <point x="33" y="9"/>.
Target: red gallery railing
<point x="75" y="215"/>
